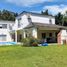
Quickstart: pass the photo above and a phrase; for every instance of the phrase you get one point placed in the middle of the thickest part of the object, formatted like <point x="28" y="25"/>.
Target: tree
<point x="0" y="15"/>
<point x="59" y="19"/>
<point x="65" y="19"/>
<point x="7" y="15"/>
<point x="45" y="13"/>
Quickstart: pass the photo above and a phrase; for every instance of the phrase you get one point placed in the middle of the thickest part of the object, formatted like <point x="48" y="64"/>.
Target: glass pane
<point x="4" y="25"/>
<point x="2" y="37"/>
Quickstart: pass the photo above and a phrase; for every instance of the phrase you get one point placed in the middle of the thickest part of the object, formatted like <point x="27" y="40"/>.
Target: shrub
<point x="25" y="42"/>
<point x="34" y="44"/>
<point x="30" y="41"/>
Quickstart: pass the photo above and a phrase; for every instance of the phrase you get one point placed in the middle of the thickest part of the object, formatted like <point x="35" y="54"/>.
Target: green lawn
<point x="49" y="56"/>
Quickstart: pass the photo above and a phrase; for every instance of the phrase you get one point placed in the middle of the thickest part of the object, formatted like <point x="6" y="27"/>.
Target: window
<point x="50" y="34"/>
<point x="28" y="17"/>
<point x="50" y="21"/>
<point x="2" y="37"/>
<point x="66" y="31"/>
<point x="10" y="26"/>
<point x="26" y="35"/>
<point x="19" y="22"/>
<point x="29" y="20"/>
<point x="56" y="34"/>
<point x="43" y="35"/>
<point x="4" y="26"/>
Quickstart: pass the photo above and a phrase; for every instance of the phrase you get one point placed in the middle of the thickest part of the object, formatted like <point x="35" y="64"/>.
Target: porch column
<point x="34" y="32"/>
<point x="16" y="36"/>
<point x="24" y="34"/>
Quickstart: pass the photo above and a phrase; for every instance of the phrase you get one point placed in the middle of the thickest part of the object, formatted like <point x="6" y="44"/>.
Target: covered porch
<point x="52" y="33"/>
<point x="48" y="33"/>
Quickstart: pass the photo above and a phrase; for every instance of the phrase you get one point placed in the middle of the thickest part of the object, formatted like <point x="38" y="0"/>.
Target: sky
<point x="54" y="6"/>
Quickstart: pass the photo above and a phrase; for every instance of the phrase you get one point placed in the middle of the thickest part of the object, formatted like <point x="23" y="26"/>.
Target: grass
<point x="49" y="56"/>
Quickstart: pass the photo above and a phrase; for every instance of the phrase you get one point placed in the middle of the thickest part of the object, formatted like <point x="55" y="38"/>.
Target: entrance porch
<point x="50" y="34"/>
<point x="44" y="32"/>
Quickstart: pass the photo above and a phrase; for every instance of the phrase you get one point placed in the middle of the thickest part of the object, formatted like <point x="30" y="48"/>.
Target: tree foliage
<point x="7" y="15"/>
<point x="59" y="19"/>
<point x="65" y="18"/>
<point x="45" y="12"/>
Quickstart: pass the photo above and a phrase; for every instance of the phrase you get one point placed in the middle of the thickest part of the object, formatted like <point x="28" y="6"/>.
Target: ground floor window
<point x="50" y="37"/>
<point x="50" y="34"/>
<point x="2" y="37"/>
<point x="19" y="37"/>
<point x="56" y="34"/>
<point x="43" y="35"/>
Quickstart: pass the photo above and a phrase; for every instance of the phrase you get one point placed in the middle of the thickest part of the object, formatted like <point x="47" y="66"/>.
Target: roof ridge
<point x="24" y="12"/>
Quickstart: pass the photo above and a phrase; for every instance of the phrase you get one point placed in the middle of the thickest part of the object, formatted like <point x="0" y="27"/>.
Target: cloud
<point x="27" y="2"/>
<point x="54" y="9"/>
<point x="36" y="11"/>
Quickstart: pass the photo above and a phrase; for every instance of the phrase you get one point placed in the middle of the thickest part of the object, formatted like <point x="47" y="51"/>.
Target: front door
<point x="43" y="35"/>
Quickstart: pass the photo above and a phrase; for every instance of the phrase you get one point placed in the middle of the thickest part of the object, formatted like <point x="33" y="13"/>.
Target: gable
<point x="22" y="23"/>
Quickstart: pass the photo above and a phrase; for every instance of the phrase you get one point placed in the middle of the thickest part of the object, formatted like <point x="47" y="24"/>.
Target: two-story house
<point x="39" y="26"/>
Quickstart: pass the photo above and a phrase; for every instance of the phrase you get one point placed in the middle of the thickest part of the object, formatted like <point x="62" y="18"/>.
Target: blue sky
<point x="54" y="6"/>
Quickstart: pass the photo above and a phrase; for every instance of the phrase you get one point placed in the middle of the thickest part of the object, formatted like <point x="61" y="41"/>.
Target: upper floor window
<point x="66" y="31"/>
<point x="50" y="21"/>
<point x="4" y="26"/>
<point x="19" y="22"/>
<point x="29" y="18"/>
<point x="10" y="26"/>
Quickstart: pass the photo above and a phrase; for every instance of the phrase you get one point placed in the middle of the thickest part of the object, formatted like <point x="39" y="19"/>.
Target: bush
<point x="34" y="44"/>
<point x="25" y="42"/>
<point x="30" y="42"/>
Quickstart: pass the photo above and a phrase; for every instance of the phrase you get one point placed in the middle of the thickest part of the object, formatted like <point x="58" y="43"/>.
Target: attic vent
<point x="50" y="21"/>
<point x="19" y="22"/>
<point x="29" y="18"/>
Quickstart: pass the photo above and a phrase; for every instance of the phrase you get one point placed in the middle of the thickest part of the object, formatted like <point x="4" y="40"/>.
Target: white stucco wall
<point x="34" y="32"/>
<point x="24" y="22"/>
<point x="6" y="31"/>
<point x="34" y="18"/>
<point x="63" y="36"/>
<point x="40" y="19"/>
<point x="15" y="27"/>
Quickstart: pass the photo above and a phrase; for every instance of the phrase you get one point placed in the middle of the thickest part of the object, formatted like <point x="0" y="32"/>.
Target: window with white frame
<point x="3" y="26"/>
<point x="19" y="22"/>
<point x="50" y="21"/>
<point x="3" y="37"/>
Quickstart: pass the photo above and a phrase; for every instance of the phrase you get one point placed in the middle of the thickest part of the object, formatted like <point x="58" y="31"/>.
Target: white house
<point x="39" y="26"/>
<point x="29" y="24"/>
<point x="5" y="27"/>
